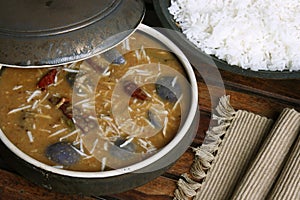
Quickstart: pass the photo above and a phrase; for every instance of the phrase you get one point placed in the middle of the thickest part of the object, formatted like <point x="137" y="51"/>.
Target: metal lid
<point x="52" y="32"/>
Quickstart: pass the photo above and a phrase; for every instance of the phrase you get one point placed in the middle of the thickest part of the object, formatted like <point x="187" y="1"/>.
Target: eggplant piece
<point x="128" y="147"/>
<point x="114" y="56"/>
<point x="122" y="150"/>
<point x="62" y="153"/>
<point x="70" y="77"/>
<point x="168" y="88"/>
<point x="154" y="120"/>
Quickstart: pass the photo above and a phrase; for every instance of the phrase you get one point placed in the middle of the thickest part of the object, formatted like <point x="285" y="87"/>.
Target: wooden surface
<point x="265" y="97"/>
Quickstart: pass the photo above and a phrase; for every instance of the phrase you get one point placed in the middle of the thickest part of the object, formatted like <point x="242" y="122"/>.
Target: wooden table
<point x="261" y="96"/>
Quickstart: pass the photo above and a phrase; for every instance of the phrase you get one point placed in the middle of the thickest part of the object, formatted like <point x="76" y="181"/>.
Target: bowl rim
<point x="146" y="162"/>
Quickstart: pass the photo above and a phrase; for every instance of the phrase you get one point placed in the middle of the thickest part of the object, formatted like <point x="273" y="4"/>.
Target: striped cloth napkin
<point x="288" y="185"/>
<point x="243" y="156"/>
<point x="267" y="165"/>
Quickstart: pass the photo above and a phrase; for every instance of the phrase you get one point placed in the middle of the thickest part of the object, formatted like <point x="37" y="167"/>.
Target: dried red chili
<point x="47" y="80"/>
<point x="132" y="89"/>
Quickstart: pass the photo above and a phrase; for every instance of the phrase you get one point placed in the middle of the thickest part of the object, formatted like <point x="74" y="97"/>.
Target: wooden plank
<point x="204" y="123"/>
<point x="183" y="164"/>
<point x="13" y="186"/>
<point x="282" y="89"/>
<point x="262" y="105"/>
<point x="161" y="188"/>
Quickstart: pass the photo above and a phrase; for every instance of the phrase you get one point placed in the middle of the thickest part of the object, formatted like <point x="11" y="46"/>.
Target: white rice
<point x="252" y="34"/>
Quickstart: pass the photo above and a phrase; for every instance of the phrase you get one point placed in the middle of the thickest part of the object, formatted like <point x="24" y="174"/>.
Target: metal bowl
<point x="118" y="180"/>
<point x="196" y="56"/>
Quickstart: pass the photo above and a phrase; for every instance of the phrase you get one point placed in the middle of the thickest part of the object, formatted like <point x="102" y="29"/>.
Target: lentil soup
<point x="40" y="116"/>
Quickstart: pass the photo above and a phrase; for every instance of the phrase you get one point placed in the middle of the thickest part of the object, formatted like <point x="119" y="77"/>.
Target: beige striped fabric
<point x="224" y="155"/>
<point x="287" y="187"/>
<point x="239" y="146"/>
<point x="263" y="172"/>
<point x="245" y="157"/>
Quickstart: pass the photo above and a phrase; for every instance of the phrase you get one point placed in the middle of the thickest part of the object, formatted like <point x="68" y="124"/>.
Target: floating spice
<point x="133" y="90"/>
<point x="48" y="79"/>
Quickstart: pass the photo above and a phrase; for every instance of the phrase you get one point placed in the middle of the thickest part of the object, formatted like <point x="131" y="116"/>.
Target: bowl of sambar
<point x="101" y="125"/>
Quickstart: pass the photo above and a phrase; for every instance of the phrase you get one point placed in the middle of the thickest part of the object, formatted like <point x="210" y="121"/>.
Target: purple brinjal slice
<point x="114" y="56"/>
<point x="70" y="77"/>
<point x="168" y="88"/>
<point x="122" y="143"/>
<point x="62" y="153"/>
<point x="154" y="120"/>
<point x="123" y="149"/>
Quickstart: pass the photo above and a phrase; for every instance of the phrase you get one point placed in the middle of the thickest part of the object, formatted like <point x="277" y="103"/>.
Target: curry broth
<point x="32" y="119"/>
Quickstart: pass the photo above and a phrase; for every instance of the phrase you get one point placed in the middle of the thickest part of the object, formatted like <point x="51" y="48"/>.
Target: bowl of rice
<point x="252" y="38"/>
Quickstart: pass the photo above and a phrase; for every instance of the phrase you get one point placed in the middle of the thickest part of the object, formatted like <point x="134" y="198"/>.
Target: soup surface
<point x="106" y="112"/>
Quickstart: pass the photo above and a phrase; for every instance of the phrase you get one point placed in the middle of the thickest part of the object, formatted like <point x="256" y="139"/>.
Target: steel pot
<point x="118" y="180"/>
